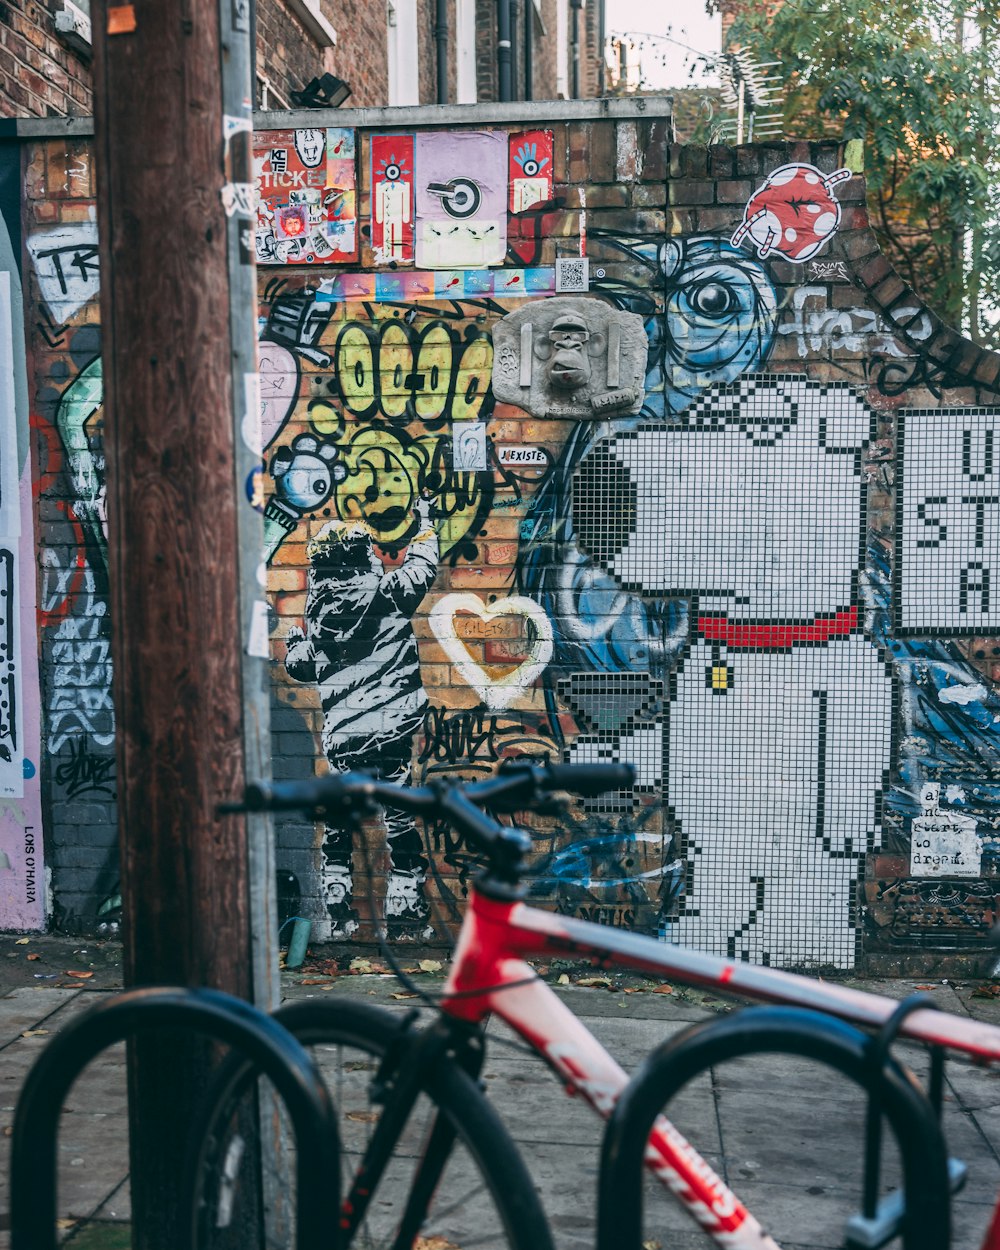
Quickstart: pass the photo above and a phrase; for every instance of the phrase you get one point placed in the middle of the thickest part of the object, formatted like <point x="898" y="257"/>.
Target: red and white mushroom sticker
<point x="793" y="213"/>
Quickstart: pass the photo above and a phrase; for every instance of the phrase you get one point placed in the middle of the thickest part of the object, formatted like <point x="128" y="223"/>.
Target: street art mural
<point x="558" y="461"/>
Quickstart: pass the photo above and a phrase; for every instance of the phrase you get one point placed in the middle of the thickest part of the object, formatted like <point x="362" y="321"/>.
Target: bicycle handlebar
<point x="519" y="784"/>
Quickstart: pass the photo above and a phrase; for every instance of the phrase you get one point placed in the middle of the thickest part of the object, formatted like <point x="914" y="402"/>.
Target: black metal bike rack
<point x="269" y="1046"/>
<point x="924" y="1218"/>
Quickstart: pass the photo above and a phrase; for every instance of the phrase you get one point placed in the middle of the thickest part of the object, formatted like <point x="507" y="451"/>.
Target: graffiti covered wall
<point x="580" y="445"/>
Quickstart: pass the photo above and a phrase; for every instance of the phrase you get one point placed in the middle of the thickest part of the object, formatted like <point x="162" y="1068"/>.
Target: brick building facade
<point x="385" y="51"/>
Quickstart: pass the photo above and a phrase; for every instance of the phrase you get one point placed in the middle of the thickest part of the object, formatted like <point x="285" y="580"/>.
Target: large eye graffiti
<point x="305" y="473"/>
<point x="711" y="299"/>
<point x="720" y="310"/>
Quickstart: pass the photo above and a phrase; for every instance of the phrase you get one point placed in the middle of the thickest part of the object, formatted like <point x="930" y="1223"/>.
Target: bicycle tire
<point x="481" y="1136"/>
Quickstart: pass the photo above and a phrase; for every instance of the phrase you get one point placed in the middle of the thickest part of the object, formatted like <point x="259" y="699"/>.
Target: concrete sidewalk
<point x="786" y="1135"/>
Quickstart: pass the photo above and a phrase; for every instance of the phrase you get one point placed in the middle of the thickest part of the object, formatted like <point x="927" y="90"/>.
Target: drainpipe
<point x="513" y="49"/>
<point x="441" y="38"/>
<point x="576" y="6"/>
<point x="503" y="51"/>
<point x="602" y="36"/>
<point x="529" y="49"/>
<point x="253" y="50"/>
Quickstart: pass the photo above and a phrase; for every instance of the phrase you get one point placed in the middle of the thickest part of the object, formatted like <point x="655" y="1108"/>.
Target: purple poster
<point x="461" y="200"/>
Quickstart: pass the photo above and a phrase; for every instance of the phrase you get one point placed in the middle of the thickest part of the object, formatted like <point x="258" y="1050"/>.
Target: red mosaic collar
<point x="778" y="637"/>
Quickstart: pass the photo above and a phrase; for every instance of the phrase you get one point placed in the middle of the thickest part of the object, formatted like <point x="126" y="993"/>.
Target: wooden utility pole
<point x="173" y="100"/>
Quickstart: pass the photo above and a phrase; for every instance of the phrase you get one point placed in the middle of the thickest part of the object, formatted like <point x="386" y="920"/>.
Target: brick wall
<point x="544" y="53"/>
<point x="360" y="55"/>
<point x="39" y="75"/>
<point x="553" y="613"/>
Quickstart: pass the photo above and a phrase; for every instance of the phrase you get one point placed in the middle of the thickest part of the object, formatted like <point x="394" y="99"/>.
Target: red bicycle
<point x="844" y="1028"/>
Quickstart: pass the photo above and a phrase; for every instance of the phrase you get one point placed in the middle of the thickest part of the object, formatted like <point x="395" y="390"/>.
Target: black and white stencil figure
<point x="359" y="648"/>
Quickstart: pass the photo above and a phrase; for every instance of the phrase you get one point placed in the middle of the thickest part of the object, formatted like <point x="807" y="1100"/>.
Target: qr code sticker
<point x="572" y="273"/>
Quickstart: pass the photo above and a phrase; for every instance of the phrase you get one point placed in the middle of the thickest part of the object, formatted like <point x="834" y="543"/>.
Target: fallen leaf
<point x="434" y="1243"/>
<point x="925" y="987"/>
<point x="82" y="976"/>
<point x="363" y="1117"/>
<point x="632" y="989"/>
<point x="35" y="1033"/>
<point x="563" y="979"/>
<point x="8" y="1130"/>
<point x="405" y="994"/>
<point x="361" y="966"/>
<point x="987" y="991"/>
<point x="67" y="1223"/>
<point x="314" y="982"/>
<point x="663" y="989"/>
<point x="652" y="1245"/>
<point x="430" y="965"/>
<point x="33" y="956"/>
<point x="22" y="941"/>
<point x="603" y="983"/>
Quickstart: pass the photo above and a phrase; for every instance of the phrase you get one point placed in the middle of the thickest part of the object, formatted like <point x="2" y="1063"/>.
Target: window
<point x="404" y="81"/>
<point x="311" y="16"/>
<point x="562" y="49"/>
<point x="465" y="43"/>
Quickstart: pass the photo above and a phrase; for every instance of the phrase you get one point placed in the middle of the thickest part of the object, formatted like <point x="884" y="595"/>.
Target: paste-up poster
<point x="11" y="715"/>
<point x="461" y="199"/>
<point x="530" y="169"/>
<point x="307" y="196"/>
<point x="392" y="199"/>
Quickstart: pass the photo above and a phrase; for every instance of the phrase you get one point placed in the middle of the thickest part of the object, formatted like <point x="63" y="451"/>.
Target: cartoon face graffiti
<point x="700" y="508"/>
<point x="382" y="486"/>
<point x="310" y="144"/>
<point x="305" y="473"/>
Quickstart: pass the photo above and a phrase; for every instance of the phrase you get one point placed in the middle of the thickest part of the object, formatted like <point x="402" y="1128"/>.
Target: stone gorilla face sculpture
<point x="568" y="364"/>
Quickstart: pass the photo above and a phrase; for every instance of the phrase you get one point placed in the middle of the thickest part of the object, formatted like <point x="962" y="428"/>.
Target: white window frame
<point x="402" y="47"/>
<point x="562" y="49"/>
<point x="466" y="84"/>
<point x="311" y="16"/>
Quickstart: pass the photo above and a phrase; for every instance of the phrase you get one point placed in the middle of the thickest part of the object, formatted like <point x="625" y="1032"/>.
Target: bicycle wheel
<point x="485" y="1197"/>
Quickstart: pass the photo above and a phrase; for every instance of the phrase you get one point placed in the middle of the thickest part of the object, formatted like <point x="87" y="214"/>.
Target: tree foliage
<point x="919" y="83"/>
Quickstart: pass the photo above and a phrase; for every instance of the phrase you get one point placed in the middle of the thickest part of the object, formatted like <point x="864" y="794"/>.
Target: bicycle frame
<point x="490" y="975"/>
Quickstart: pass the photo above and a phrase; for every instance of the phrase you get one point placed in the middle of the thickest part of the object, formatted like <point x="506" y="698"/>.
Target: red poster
<point x="392" y="199"/>
<point x="530" y="169"/>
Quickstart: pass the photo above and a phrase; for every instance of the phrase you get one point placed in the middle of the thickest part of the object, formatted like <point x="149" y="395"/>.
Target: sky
<point x="665" y="63"/>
